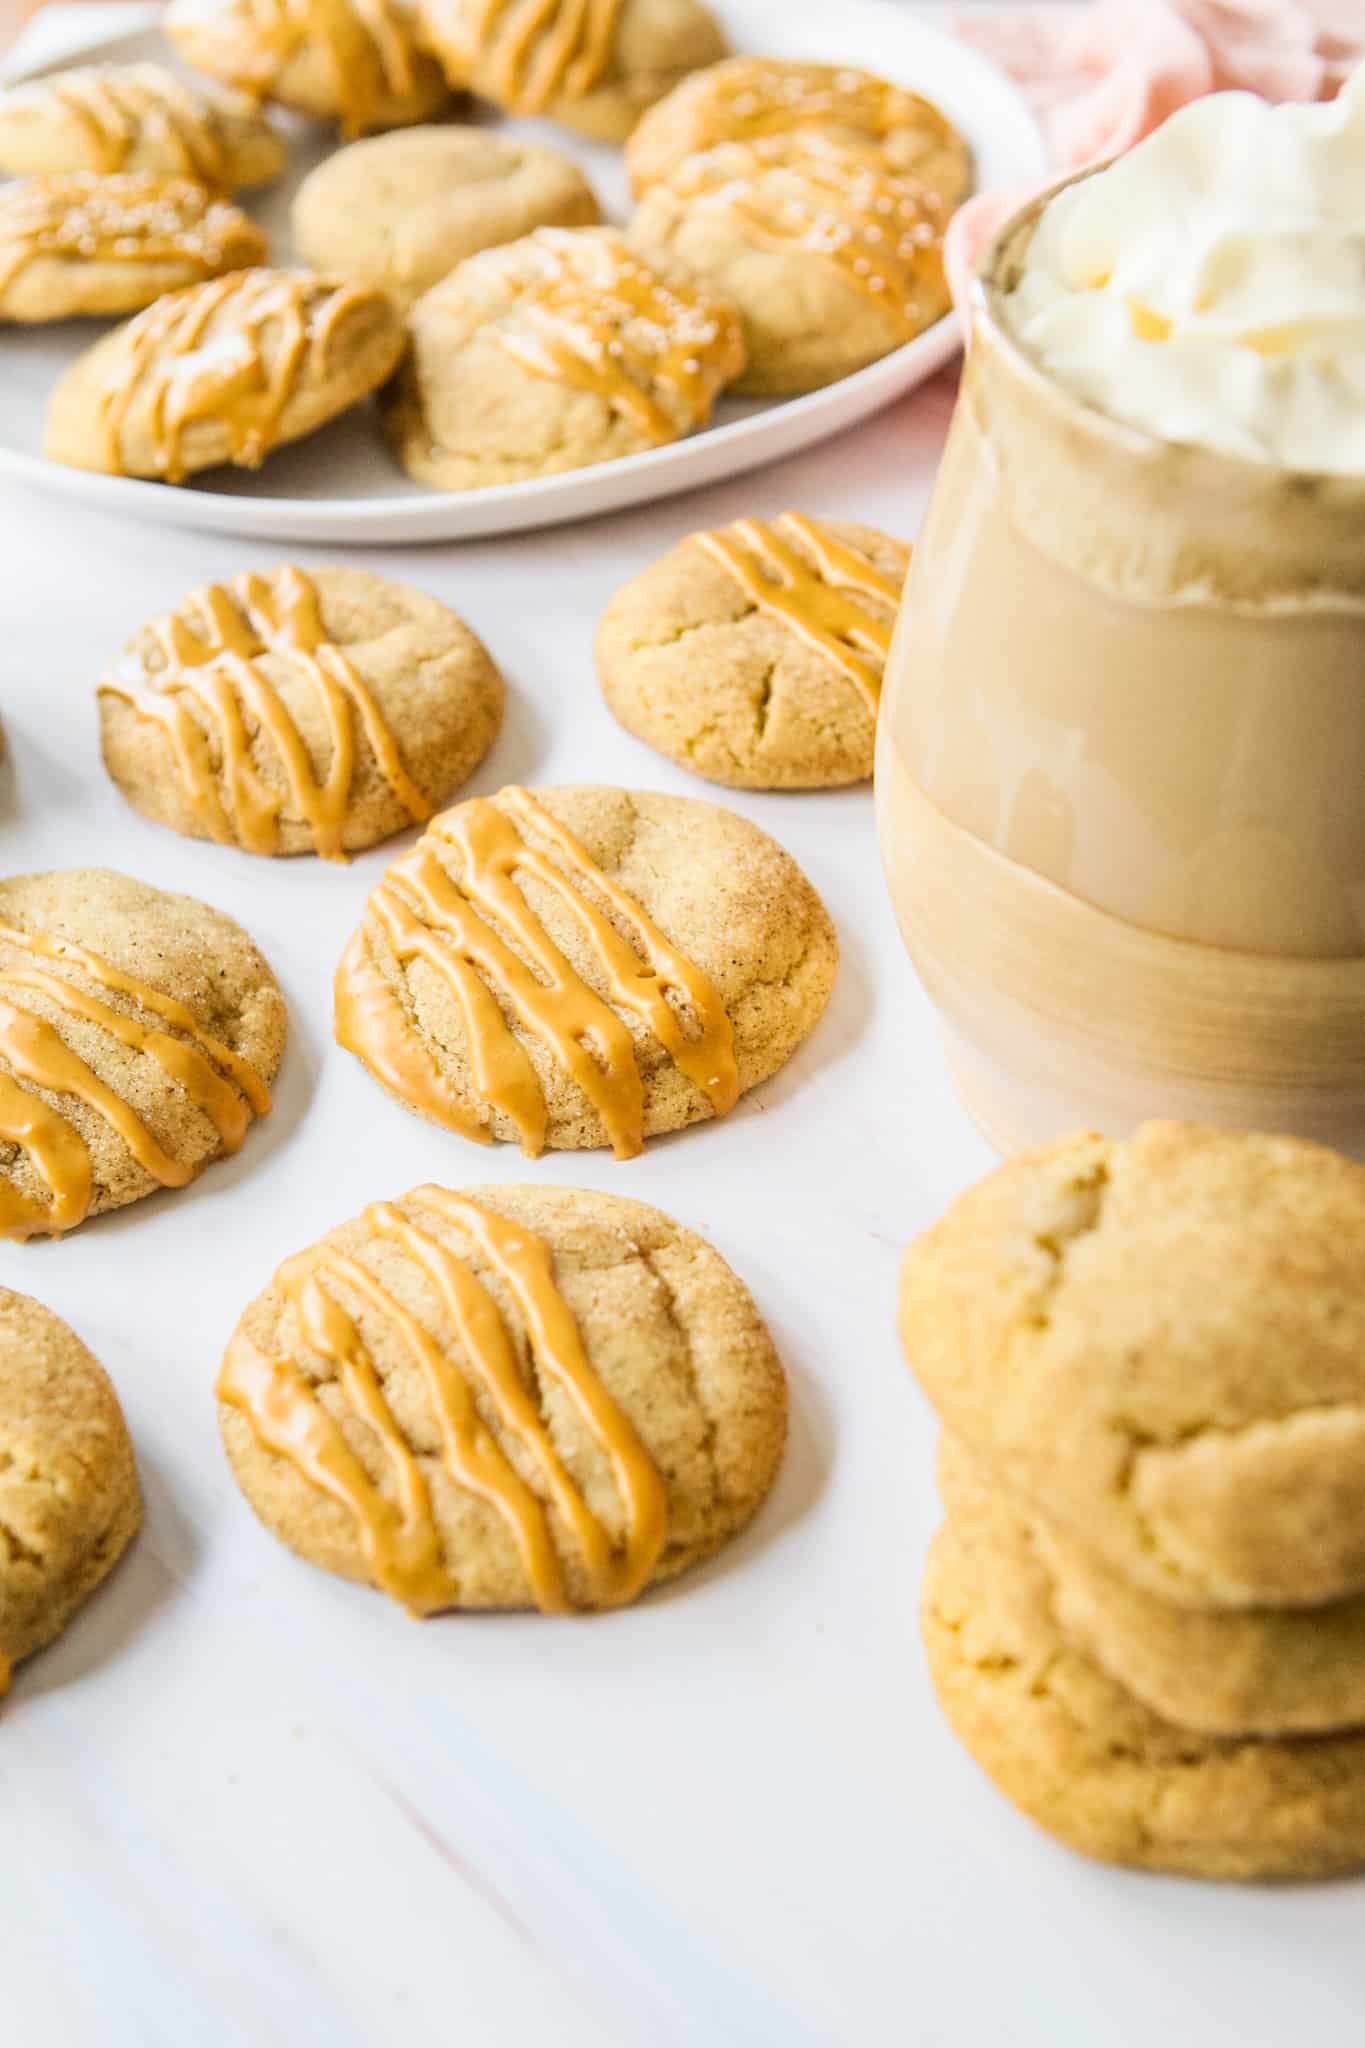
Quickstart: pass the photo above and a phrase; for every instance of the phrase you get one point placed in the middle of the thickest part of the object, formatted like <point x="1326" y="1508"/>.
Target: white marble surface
<point x="243" y="1805"/>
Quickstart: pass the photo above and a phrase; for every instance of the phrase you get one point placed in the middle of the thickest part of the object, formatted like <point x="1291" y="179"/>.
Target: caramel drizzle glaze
<point x="617" y="333"/>
<point x="549" y="49"/>
<point x="370" y="49"/>
<point x="882" y="231"/>
<point x="209" y="662"/>
<point x="133" y="218"/>
<point x="229" y="376"/>
<point x="112" y="108"/>
<point x="802" y="574"/>
<point x="397" y="1529"/>
<point x="218" y="1081"/>
<point x="457" y="929"/>
<point x="768" y="96"/>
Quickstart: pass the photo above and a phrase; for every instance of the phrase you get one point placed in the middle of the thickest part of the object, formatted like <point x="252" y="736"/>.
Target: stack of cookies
<point x="1145" y="1614"/>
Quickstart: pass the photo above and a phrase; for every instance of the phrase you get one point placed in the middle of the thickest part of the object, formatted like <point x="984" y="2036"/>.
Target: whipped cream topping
<point x="1209" y="286"/>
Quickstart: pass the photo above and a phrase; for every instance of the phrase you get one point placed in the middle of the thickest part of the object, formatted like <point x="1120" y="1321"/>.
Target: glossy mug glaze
<point x="1121" y="766"/>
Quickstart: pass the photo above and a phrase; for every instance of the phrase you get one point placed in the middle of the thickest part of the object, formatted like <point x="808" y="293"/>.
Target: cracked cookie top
<point x="584" y="966"/>
<point x="504" y="1397"/>
<point x="754" y="654"/>
<point x="69" y="1495"/>
<point x="1161" y="1343"/>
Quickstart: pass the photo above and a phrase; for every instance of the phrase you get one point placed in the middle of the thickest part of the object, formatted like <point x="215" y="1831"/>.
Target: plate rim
<point x="564" y="498"/>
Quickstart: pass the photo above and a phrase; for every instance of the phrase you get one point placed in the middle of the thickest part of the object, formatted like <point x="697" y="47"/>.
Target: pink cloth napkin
<point x="1103" y="76"/>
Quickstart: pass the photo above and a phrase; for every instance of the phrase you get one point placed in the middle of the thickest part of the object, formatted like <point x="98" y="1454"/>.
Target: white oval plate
<point x="341" y="484"/>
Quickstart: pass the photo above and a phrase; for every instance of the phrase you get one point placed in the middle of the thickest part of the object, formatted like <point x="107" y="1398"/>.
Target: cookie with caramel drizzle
<point x="136" y="117"/>
<point x="583" y="967"/>
<point x="82" y="244"/>
<point x="751" y="99"/>
<point x="831" y="258"/>
<point x="505" y="1397"/>
<point x="139" y="1033"/>
<point x="563" y="349"/>
<point x="289" y="712"/>
<point x="223" y="372"/>
<point x="358" y="62"/>
<point x="753" y="654"/>
<point x="592" y="64"/>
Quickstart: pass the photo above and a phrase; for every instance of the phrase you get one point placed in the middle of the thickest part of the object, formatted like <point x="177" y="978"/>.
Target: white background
<point x="243" y="1803"/>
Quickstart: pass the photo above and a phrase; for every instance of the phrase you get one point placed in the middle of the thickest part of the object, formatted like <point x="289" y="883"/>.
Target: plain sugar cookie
<point x="584" y="966"/>
<point x="297" y="711"/>
<point x="401" y="210"/>
<point x="507" y="1397"/>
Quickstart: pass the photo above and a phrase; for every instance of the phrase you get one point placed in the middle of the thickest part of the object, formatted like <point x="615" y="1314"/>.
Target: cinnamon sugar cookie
<point x="297" y="712"/>
<point x="82" y="244"/>
<point x="749" y="98"/>
<point x="70" y="1502"/>
<point x="754" y="654"/>
<point x="831" y="259"/>
<point x="584" y="966"/>
<point x="558" y="351"/>
<point x="139" y="1032"/>
<point x="402" y="210"/>
<point x="593" y="65"/>
<point x="223" y="372"/>
<point x="358" y="62"/>
<point x="1088" y="1761"/>
<point x="507" y="1397"/>
<point x="136" y="117"/>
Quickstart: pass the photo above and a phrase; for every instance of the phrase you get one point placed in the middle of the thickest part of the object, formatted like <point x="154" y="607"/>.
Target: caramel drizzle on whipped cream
<point x="484" y="941"/>
<point x="275" y="330"/>
<point x="833" y="597"/>
<point x="613" y="326"/>
<point x="883" y="232"/>
<point x="370" y="47"/>
<point x="208" y="686"/>
<point x="217" y="1080"/>
<point x="129" y="217"/>
<point x="394" y="1521"/>
<point x="541" y="50"/>
<point x="112" y="109"/>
